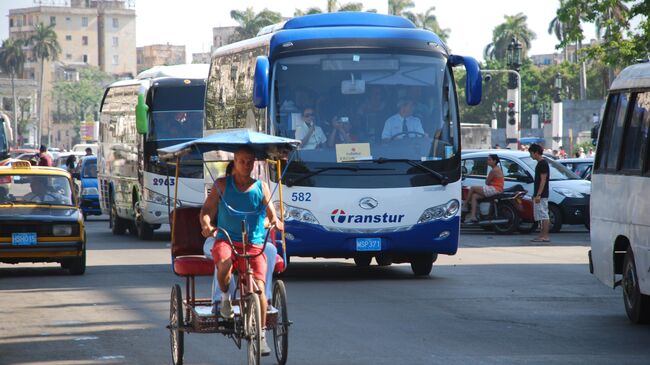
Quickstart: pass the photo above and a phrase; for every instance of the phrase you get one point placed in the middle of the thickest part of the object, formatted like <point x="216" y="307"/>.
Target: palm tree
<point x="309" y="11"/>
<point x="557" y="27"/>
<point x="351" y="7"/>
<point x="428" y="21"/>
<point x="616" y="13"/>
<point x="397" y="7"/>
<point x="250" y="22"/>
<point x="45" y="46"/>
<point x="514" y="27"/>
<point x="332" y="7"/>
<point x="12" y="60"/>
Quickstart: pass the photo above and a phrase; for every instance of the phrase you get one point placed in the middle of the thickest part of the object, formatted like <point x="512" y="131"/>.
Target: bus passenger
<point x="341" y="132"/>
<point x="242" y="193"/>
<point x="493" y="185"/>
<point x="311" y="135"/>
<point x="403" y="122"/>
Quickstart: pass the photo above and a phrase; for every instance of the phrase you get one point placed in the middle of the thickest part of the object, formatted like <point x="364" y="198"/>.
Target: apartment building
<point x="159" y="55"/>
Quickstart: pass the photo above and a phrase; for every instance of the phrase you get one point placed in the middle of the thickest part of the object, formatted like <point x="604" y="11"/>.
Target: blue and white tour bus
<point x="374" y="100"/>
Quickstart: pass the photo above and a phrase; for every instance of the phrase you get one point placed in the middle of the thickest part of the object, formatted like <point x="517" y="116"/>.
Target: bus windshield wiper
<point x="291" y="182"/>
<point x="444" y="180"/>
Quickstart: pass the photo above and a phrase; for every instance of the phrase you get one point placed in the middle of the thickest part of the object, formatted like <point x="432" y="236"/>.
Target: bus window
<point x="636" y="134"/>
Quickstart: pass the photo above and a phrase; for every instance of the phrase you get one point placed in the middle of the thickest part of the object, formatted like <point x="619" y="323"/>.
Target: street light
<point x="513" y="57"/>
<point x="558" y="88"/>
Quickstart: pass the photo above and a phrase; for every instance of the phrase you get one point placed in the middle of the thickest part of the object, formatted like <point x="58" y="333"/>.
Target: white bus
<point x="373" y="189"/>
<point x="620" y="210"/>
<point x="134" y="183"/>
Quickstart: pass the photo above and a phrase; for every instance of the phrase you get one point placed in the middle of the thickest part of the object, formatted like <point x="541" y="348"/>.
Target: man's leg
<point x="270" y="251"/>
<point x="546" y="223"/>
<point x="266" y="350"/>
<point x="222" y="253"/>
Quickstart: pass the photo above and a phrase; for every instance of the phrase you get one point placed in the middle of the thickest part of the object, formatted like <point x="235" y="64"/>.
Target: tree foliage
<point x="514" y="27"/>
<point x="77" y="99"/>
<point x="428" y="20"/>
<point x="251" y="22"/>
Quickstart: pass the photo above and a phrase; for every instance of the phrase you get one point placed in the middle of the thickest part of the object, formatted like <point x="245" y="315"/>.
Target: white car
<point x="568" y="199"/>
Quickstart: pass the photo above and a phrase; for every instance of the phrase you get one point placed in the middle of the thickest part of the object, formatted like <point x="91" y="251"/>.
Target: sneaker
<point x="226" y="310"/>
<point x="271" y="309"/>
<point x="266" y="350"/>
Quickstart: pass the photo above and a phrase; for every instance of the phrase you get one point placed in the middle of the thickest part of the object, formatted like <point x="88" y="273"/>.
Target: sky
<point x="190" y="22"/>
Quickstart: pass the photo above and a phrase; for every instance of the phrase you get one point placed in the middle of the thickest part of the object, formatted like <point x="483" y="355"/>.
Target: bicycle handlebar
<point x="247" y="256"/>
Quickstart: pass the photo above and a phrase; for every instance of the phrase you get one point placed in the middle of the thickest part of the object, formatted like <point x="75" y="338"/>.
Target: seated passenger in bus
<point x="242" y="194"/>
<point x="493" y="185"/>
<point x="341" y="132"/>
<point x="400" y="124"/>
<point x="310" y="135"/>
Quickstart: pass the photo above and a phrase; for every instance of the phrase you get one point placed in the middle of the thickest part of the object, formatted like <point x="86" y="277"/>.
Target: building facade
<point x="98" y="33"/>
<point x="159" y="55"/>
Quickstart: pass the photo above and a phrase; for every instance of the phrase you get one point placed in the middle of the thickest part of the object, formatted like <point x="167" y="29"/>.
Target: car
<point x="63" y="158"/>
<point x="81" y="147"/>
<point x="40" y="220"/>
<point x="89" y="196"/>
<point x="580" y="166"/>
<point x="568" y="193"/>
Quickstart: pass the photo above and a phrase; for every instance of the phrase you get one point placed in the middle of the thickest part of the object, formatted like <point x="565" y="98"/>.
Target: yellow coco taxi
<point x="40" y="220"/>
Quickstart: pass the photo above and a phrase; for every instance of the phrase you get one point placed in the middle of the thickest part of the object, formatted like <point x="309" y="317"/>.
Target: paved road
<point x="500" y="300"/>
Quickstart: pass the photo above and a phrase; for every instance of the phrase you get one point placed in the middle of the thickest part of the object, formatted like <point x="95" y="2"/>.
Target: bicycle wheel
<point x="253" y="327"/>
<point x="176" y="336"/>
<point x="281" y="329"/>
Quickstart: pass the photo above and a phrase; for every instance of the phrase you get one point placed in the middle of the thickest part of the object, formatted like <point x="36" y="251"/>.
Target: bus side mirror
<point x="141" y="110"/>
<point x="261" y="84"/>
<point x="473" y="83"/>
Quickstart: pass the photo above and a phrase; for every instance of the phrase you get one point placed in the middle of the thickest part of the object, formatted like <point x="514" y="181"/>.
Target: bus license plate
<point x="23" y="239"/>
<point x="368" y="244"/>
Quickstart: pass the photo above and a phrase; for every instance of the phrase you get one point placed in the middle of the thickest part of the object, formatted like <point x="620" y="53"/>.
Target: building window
<point x="68" y="56"/>
<point x="67" y="18"/>
<point x="84" y="40"/>
<point x="115" y="42"/>
<point x="84" y="21"/>
<point x="11" y="22"/>
<point x="84" y="58"/>
<point x="7" y="104"/>
<point x="68" y="37"/>
<point x="30" y="20"/>
<point x="116" y="60"/>
<point x="116" y="23"/>
<point x="52" y="20"/>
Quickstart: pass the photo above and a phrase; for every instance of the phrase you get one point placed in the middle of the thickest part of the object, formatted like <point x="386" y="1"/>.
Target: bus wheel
<point x="637" y="305"/>
<point x="118" y="225"/>
<point x="422" y="264"/>
<point x="362" y="261"/>
<point x="143" y="230"/>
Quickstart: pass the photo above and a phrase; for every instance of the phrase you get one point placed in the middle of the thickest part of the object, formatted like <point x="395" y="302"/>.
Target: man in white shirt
<point x="311" y="135"/>
<point x="403" y="122"/>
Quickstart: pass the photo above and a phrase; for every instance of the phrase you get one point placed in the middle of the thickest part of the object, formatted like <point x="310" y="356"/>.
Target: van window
<point x="636" y="134"/>
<point x="613" y="132"/>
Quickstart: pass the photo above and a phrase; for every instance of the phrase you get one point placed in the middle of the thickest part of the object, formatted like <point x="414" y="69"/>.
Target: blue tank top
<point x="236" y="206"/>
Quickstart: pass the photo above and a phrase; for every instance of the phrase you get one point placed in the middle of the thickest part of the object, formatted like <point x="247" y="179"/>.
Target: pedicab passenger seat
<point x="187" y="245"/>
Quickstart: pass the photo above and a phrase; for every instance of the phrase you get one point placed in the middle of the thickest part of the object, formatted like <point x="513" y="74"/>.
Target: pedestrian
<point x="540" y="194"/>
<point x="562" y="152"/>
<point x="44" y="158"/>
<point x="89" y="151"/>
<point x="591" y="152"/>
<point x="497" y="147"/>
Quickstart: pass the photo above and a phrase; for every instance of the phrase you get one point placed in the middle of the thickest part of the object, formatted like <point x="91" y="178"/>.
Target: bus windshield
<point x="362" y="106"/>
<point x="176" y="124"/>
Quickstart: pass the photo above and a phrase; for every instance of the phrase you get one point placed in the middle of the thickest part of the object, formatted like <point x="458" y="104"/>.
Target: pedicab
<point x="195" y="315"/>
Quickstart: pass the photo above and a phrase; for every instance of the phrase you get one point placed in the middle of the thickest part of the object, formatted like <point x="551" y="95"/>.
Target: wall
<point x="475" y="136"/>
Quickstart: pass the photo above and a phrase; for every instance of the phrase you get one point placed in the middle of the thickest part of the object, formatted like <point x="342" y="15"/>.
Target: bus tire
<point x="637" y="305"/>
<point x="118" y="225"/>
<point x="143" y="230"/>
<point x="423" y="263"/>
<point x="555" y="218"/>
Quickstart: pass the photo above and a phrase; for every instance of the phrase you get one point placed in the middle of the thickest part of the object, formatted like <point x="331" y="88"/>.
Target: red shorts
<point x="222" y="251"/>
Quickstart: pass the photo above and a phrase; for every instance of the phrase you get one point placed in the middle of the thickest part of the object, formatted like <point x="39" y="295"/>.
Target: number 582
<point x="301" y="197"/>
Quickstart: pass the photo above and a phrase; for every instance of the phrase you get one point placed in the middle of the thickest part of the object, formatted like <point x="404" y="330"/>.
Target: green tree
<point x="76" y="100"/>
<point x="45" y="46"/>
<point x="397" y="7"/>
<point x="514" y="27"/>
<point x="12" y="61"/>
<point x="24" y="106"/>
<point x="557" y="28"/>
<point x="250" y="22"/>
<point x="428" y="20"/>
<point x="332" y="7"/>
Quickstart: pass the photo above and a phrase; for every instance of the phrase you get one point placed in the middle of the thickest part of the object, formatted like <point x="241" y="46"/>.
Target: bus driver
<point x="244" y="194"/>
<point x="400" y="124"/>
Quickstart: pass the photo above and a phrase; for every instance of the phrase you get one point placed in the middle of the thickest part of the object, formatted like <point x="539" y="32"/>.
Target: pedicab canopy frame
<point x="264" y="145"/>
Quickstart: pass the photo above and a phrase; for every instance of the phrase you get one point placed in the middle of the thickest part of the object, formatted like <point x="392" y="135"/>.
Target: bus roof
<point x="343" y="25"/>
<point x="187" y="71"/>
<point x="633" y="77"/>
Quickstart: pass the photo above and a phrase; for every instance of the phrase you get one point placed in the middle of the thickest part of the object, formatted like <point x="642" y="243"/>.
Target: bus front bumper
<point x="311" y="240"/>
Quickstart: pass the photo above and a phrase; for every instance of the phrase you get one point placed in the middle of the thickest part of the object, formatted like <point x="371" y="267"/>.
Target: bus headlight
<point x="89" y="191"/>
<point x="296" y="214"/>
<point x="442" y="211"/>
<point x="157" y="198"/>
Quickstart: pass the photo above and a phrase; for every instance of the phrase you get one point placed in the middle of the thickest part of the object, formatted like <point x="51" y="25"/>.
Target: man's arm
<point x="386" y="133"/>
<point x="270" y="209"/>
<point x="210" y="209"/>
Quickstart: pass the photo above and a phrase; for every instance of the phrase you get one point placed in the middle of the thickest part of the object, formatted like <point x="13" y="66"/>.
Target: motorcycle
<point x="499" y="212"/>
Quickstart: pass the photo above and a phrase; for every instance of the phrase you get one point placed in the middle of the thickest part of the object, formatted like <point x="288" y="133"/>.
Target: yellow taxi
<point x="40" y="219"/>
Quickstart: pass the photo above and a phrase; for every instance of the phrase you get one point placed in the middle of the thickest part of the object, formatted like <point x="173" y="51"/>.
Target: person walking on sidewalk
<point x="540" y="197"/>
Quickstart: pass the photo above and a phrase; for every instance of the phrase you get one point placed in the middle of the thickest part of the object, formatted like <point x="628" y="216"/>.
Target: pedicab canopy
<point x="264" y="145"/>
